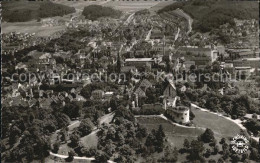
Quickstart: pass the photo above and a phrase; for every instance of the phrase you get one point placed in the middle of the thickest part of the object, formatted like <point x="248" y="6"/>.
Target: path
<point x="177" y="35"/>
<point x="175" y="124"/>
<point x="149" y="35"/>
<point x="129" y="19"/>
<point x="236" y="121"/>
<point x="163" y="117"/>
<point x="75" y="157"/>
<point x="190" y="20"/>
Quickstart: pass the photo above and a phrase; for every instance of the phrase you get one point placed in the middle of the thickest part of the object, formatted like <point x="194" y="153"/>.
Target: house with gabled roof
<point x="170" y="90"/>
<point x="141" y="87"/>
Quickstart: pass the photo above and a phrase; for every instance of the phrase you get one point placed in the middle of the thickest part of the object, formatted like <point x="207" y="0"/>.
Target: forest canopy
<point x="22" y="11"/>
<point x="93" y="12"/>
<point x="209" y="15"/>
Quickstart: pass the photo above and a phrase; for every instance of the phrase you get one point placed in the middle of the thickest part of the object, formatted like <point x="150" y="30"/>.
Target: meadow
<point x="221" y="126"/>
<point x="31" y="27"/>
<point x="175" y="134"/>
<point x="131" y="6"/>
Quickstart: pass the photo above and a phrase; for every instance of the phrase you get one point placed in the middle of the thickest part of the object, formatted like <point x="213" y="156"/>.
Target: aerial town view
<point x="130" y="81"/>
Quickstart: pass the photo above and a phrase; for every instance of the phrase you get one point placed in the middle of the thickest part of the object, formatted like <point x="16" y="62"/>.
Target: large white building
<point x="179" y="114"/>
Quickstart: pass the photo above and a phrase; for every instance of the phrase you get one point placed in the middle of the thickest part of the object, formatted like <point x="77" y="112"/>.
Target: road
<point x="129" y="19"/>
<point x="177" y="35"/>
<point x="190" y="20"/>
<point x="149" y="35"/>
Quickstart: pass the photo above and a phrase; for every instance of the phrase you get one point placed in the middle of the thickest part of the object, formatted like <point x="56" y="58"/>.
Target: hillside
<point x="93" y="12"/>
<point x="22" y="11"/>
<point x="211" y="14"/>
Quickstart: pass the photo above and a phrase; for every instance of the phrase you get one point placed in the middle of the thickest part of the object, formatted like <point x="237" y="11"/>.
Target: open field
<point x="130" y="6"/>
<point x="79" y="5"/>
<point x="22" y="11"/>
<point x="31" y="27"/>
<point x="175" y="134"/>
<point x="90" y="140"/>
<point x="160" y="5"/>
<point x="220" y="125"/>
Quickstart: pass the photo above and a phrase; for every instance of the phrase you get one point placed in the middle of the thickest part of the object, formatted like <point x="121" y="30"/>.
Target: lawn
<point x="175" y="134"/>
<point x="90" y="140"/>
<point x="220" y="125"/>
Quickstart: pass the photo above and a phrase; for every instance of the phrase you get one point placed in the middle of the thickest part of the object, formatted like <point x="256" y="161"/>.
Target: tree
<point x="207" y="136"/>
<point x="196" y="149"/>
<point x="118" y="63"/>
<point x="215" y="149"/>
<point x="254" y="116"/>
<point x="222" y="141"/>
<point x="14" y="133"/>
<point x="208" y="153"/>
<point x="150" y="94"/>
<point x="74" y="138"/>
<point x="254" y="155"/>
<point x="73" y="110"/>
<point x="220" y="160"/>
<point x="85" y="127"/>
<point x="56" y="147"/>
<point x="113" y="103"/>
<point x="63" y="134"/>
<point x="122" y="112"/>
<point x="141" y="132"/>
<point x="71" y="156"/>
<point x="170" y="155"/>
<point x="245" y="156"/>
<point x="101" y="157"/>
<point x="186" y="144"/>
<point x="160" y="135"/>
<point x="235" y="158"/>
<point x="225" y="147"/>
<point x="212" y="161"/>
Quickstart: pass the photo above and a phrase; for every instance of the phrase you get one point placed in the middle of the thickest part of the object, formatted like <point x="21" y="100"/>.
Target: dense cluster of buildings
<point x="152" y="53"/>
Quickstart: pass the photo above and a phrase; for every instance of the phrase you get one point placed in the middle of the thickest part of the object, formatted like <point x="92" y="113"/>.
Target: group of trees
<point x="234" y="106"/>
<point x="22" y="11"/>
<point x="215" y="13"/>
<point x="155" y="140"/>
<point x="125" y="139"/>
<point x="93" y="12"/>
<point x="26" y="131"/>
<point x="253" y="125"/>
<point x="198" y="150"/>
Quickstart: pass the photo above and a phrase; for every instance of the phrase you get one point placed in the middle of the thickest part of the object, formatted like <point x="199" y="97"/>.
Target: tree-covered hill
<point x="22" y="11"/>
<point x="93" y="12"/>
<point x="210" y="14"/>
